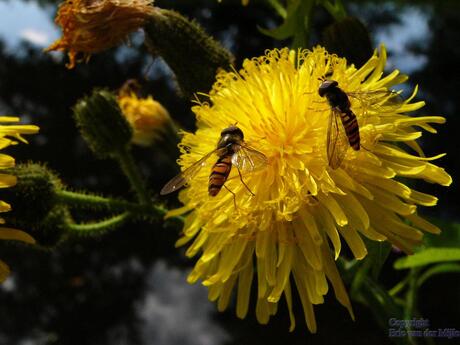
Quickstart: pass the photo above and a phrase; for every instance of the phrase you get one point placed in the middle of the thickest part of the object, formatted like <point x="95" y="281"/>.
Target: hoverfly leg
<point x="234" y="196"/>
<point x="364" y="147"/>
<point x="244" y="183"/>
<point x="318" y="110"/>
<point x="312" y="200"/>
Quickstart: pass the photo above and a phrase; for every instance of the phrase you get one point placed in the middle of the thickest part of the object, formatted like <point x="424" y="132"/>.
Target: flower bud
<point x="348" y="38"/>
<point x="149" y="120"/>
<point x="192" y="54"/>
<point x="33" y="199"/>
<point x="102" y="123"/>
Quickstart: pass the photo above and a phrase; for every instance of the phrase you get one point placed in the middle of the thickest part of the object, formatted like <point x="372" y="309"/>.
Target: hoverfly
<point x="231" y="150"/>
<point x="339" y="137"/>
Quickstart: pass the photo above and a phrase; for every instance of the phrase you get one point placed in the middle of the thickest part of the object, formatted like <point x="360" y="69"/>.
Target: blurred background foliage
<point x="129" y="286"/>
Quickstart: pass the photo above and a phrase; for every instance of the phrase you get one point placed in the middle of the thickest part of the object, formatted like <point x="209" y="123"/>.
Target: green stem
<point x="398" y="287"/>
<point x="411" y="293"/>
<point x="126" y="161"/>
<point x="98" y="228"/>
<point x="411" y="297"/>
<point x="85" y="201"/>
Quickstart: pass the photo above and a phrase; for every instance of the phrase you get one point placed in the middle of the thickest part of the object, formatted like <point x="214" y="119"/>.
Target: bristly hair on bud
<point x="34" y="199"/>
<point x="174" y="37"/>
<point x="102" y="123"/>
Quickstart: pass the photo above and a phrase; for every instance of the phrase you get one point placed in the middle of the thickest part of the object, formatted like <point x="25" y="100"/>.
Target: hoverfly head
<point x="327" y="86"/>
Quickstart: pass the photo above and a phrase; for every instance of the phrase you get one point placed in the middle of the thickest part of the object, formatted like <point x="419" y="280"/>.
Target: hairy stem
<point x="126" y="161"/>
<point x="98" y="228"/>
<point x="85" y="201"/>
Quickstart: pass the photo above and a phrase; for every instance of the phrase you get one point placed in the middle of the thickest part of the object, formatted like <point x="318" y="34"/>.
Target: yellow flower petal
<point x="16" y="235"/>
<point x="9" y="133"/>
<point x="4" y="271"/>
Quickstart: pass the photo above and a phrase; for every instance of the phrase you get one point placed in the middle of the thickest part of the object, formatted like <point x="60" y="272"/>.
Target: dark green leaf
<point x="296" y="23"/>
<point x="449" y="237"/>
<point x="288" y="28"/>
<point x="377" y="253"/>
<point x="382" y="305"/>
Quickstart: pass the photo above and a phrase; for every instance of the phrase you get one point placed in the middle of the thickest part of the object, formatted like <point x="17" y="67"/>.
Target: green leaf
<point x="381" y="304"/>
<point x="335" y="9"/>
<point x="438" y="269"/>
<point x="348" y="269"/>
<point x="449" y="237"/>
<point x="278" y="7"/>
<point x="288" y="28"/>
<point x="377" y="253"/>
<point x="296" y="23"/>
<point x="360" y="277"/>
<point x="428" y="256"/>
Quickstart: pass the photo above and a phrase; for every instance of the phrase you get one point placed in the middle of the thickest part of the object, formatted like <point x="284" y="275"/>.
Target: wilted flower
<point x="10" y="134"/>
<point x="91" y="26"/>
<point x="292" y="229"/>
<point x="147" y="117"/>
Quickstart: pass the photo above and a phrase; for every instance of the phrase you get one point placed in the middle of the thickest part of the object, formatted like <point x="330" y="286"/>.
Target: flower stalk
<point x="129" y="168"/>
<point x="80" y="200"/>
<point x="97" y="228"/>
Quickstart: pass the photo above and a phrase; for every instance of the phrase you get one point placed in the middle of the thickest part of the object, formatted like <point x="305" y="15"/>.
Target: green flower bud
<point x="349" y="38"/>
<point x="102" y="123"/>
<point x="34" y="203"/>
<point x="192" y="54"/>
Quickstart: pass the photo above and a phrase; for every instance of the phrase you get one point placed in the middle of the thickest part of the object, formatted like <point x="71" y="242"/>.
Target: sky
<point x="27" y="21"/>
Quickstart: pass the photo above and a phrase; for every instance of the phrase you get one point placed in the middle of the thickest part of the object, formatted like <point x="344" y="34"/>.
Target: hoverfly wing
<point x="185" y="176"/>
<point x="247" y="159"/>
<point x="337" y="140"/>
<point x="369" y="99"/>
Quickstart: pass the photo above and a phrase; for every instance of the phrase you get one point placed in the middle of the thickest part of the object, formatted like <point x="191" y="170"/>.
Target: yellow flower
<point x="147" y="117"/>
<point x="9" y="135"/>
<point x="292" y="229"/>
<point x="91" y="26"/>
